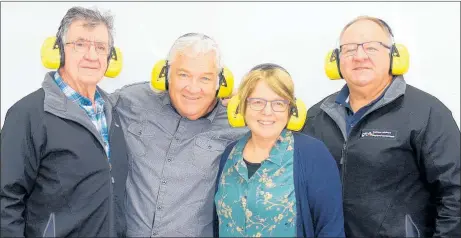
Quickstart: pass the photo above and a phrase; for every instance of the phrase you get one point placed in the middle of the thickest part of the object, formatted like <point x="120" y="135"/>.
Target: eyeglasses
<point x="370" y="48"/>
<point x="83" y="46"/>
<point x="259" y="104"/>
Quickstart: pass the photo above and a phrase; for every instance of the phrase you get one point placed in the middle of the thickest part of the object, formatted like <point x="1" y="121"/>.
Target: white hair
<point x="199" y="43"/>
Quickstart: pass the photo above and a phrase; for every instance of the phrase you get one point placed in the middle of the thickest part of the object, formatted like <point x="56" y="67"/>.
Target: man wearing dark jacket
<point x="397" y="147"/>
<point x="63" y="158"/>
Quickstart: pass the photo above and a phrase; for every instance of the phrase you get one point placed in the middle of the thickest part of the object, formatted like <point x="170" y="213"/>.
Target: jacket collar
<point x="338" y="112"/>
<point x="57" y="103"/>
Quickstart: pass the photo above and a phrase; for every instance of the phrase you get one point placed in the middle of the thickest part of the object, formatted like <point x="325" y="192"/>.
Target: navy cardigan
<point x="319" y="203"/>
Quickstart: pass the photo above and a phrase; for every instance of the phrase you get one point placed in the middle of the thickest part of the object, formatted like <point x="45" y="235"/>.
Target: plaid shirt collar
<point x="74" y="96"/>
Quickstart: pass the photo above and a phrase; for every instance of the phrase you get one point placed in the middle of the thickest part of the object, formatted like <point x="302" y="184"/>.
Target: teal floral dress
<point x="263" y="205"/>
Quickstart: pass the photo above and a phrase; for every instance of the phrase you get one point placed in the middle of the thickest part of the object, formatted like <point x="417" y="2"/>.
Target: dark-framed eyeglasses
<point x="370" y="48"/>
<point x="83" y="46"/>
<point x="258" y="104"/>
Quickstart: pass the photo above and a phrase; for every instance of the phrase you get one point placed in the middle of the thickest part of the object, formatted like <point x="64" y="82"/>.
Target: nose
<point x="193" y="86"/>
<point x="267" y="109"/>
<point x="91" y="54"/>
<point x="360" y="54"/>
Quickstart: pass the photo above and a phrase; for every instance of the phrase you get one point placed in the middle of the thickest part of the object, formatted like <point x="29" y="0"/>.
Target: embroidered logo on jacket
<point x="384" y="134"/>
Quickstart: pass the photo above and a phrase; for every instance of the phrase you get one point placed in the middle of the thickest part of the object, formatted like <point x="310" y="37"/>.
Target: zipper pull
<point x="342" y="153"/>
<point x="113" y="180"/>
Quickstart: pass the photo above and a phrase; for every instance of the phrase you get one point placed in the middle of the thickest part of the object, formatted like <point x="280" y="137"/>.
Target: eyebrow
<point x="276" y="99"/>
<point x="182" y="70"/>
<point x="186" y="71"/>
<point x="84" y="39"/>
<point x="209" y="73"/>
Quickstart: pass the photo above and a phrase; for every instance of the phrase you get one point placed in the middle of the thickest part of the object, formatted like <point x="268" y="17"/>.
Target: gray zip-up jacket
<point x="53" y="162"/>
<point x="400" y="164"/>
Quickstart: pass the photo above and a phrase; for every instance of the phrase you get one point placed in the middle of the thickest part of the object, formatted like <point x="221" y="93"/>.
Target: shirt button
<point x="159" y="208"/>
<point x="155" y="234"/>
<point x="209" y="147"/>
<point x="163" y="182"/>
<point x="169" y="160"/>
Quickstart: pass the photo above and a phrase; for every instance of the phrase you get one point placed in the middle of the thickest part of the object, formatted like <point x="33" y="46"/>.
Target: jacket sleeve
<point x="324" y="192"/>
<point x="440" y="157"/>
<point x="18" y="171"/>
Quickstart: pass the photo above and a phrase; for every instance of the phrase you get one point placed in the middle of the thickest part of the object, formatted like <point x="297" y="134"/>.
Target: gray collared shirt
<point x="173" y="163"/>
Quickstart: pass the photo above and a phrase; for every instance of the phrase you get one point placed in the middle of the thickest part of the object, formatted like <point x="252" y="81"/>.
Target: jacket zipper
<point x="342" y="162"/>
<point x="111" y="178"/>
<point x="343" y="159"/>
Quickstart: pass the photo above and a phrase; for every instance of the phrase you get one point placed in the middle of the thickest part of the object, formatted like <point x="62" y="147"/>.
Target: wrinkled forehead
<point x="363" y="31"/>
<point x="88" y="30"/>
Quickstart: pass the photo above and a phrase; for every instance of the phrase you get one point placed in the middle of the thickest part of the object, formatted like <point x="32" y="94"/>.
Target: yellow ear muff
<point x="298" y="116"/>
<point x="159" y="79"/>
<point x="158" y="75"/>
<point x="235" y="118"/>
<point x="50" y="54"/>
<point x="331" y="65"/>
<point x="115" y="64"/>
<point x="295" y="123"/>
<point x="400" y="60"/>
<point x="227" y="85"/>
<point x="51" y="58"/>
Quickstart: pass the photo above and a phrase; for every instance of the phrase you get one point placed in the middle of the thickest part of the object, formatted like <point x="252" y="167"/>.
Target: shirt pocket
<point x="206" y="154"/>
<point x="139" y="133"/>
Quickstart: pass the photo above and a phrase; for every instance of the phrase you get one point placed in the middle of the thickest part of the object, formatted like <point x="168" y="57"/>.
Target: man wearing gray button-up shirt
<point x="174" y="138"/>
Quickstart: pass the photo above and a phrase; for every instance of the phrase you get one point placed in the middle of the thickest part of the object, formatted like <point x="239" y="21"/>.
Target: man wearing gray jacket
<point x="64" y="159"/>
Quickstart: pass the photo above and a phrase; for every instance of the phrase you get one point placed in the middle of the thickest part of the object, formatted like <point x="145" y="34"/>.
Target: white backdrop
<point x="294" y="35"/>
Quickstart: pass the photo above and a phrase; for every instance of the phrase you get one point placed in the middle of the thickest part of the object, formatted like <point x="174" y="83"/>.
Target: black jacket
<point x="53" y="162"/>
<point x="400" y="164"/>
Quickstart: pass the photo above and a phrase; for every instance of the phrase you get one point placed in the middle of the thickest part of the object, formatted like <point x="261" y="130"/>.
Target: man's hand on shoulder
<point x="225" y="100"/>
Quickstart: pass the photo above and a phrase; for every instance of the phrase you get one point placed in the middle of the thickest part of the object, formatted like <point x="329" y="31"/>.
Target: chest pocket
<point x="138" y="136"/>
<point x="206" y="153"/>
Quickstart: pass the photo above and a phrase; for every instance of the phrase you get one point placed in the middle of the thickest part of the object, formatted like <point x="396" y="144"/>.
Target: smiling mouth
<point x="191" y="98"/>
<point x="266" y="123"/>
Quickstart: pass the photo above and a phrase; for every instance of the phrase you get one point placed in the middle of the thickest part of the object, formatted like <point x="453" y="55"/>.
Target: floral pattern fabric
<point x="265" y="204"/>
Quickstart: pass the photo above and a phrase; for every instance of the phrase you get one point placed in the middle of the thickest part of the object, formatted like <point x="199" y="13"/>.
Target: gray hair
<point x="93" y="17"/>
<point x="199" y="43"/>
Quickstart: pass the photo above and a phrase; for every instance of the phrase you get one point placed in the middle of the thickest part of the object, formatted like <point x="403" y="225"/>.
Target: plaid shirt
<point x="98" y="118"/>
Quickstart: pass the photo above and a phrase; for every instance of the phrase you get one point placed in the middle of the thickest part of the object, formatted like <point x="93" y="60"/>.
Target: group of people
<point x="377" y="158"/>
